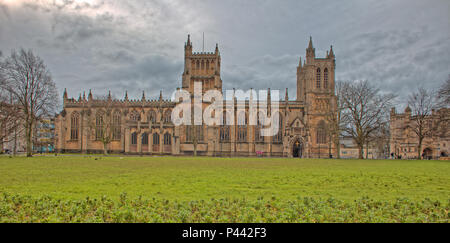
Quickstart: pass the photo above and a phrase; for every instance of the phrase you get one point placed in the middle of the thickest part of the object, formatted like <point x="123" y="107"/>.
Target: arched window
<point x="321" y="135"/>
<point x="99" y="133"/>
<point x="325" y="78"/>
<point x="278" y="138"/>
<point x="151" y="116"/>
<point x="318" y="76"/>
<point x="198" y="64"/>
<point x="224" y="129"/>
<point x="167" y="139"/>
<point x="116" y="125"/>
<point x="189" y="137"/>
<point x="193" y="64"/>
<point x="144" y="139"/>
<point x="207" y="64"/>
<point x="199" y="132"/>
<point x="74" y="125"/>
<point x="242" y="127"/>
<point x="134" y="138"/>
<point x="258" y="129"/>
<point x="203" y="64"/>
<point x="135" y="116"/>
<point x="167" y="116"/>
<point x="155" y="139"/>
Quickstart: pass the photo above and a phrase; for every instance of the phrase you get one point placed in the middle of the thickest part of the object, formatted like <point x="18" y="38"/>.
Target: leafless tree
<point x="444" y="94"/>
<point x="102" y="123"/>
<point x="365" y="110"/>
<point x="9" y="119"/>
<point x="422" y="103"/>
<point x="30" y="85"/>
<point x="379" y="140"/>
<point x="334" y="119"/>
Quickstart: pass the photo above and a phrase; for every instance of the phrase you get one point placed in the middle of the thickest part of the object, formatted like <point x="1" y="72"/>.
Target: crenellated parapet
<point x="110" y="102"/>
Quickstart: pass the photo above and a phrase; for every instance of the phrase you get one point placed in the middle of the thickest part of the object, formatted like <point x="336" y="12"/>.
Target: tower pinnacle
<point x="310" y="46"/>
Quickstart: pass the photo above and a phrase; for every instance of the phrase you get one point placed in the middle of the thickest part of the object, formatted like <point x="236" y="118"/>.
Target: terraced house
<point x="144" y="126"/>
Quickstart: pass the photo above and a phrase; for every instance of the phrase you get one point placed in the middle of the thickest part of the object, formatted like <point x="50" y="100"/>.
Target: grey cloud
<point x="150" y="74"/>
<point x="138" y="45"/>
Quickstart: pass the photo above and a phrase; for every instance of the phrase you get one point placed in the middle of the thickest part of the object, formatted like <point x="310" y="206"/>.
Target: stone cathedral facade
<point x="144" y="126"/>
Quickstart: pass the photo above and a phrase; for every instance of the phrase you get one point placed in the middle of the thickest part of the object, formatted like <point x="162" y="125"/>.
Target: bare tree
<point x="102" y="122"/>
<point x="29" y="83"/>
<point x="422" y="103"/>
<point x="379" y="141"/>
<point x="334" y="119"/>
<point x="365" y="111"/>
<point x="444" y="93"/>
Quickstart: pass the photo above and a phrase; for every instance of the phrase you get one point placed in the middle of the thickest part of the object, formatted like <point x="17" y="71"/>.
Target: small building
<point x="349" y="150"/>
<point x="404" y="142"/>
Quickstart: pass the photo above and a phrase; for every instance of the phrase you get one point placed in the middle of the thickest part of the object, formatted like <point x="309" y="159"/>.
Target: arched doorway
<point x="297" y="149"/>
<point x="427" y="153"/>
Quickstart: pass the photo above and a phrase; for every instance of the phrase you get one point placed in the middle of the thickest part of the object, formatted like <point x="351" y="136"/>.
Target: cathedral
<point x="144" y="126"/>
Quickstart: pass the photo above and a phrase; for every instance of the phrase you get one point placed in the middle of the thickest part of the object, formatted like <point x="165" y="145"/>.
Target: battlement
<point x="83" y="102"/>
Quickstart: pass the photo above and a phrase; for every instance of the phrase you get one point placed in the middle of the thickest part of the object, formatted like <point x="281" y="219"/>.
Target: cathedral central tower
<point x="201" y="67"/>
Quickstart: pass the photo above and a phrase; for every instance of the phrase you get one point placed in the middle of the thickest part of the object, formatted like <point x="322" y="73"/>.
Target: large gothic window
<point x="116" y="125"/>
<point x="155" y="139"/>
<point x="321" y="135"/>
<point x="134" y="138"/>
<point x="198" y="133"/>
<point x="325" y="78"/>
<point x="99" y="125"/>
<point x="144" y="140"/>
<point x="167" y="139"/>
<point x="224" y="129"/>
<point x="242" y="127"/>
<point x="318" y="76"/>
<point x="259" y="127"/>
<point x="189" y="137"/>
<point x="278" y="138"/>
<point x="74" y="125"/>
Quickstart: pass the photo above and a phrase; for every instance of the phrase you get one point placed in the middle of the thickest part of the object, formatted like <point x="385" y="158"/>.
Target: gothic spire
<point x="143" y="95"/>
<point x="331" y="53"/>
<point x="310" y="46"/>
<point x="126" y="95"/>
<point x="310" y="52"/>
<point x="90" y="95"/>
<point x="65" y="94"/>
<point x="188" y="43"/>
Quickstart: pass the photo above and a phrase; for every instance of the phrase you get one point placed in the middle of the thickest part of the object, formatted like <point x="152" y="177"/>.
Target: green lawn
<point x="187" y="179"/>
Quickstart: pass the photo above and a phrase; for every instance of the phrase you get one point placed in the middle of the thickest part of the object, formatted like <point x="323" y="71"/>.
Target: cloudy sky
<point x="138" y="45"/>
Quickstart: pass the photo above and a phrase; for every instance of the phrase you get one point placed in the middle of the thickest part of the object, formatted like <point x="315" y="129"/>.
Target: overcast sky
<point x="138" y="45"/>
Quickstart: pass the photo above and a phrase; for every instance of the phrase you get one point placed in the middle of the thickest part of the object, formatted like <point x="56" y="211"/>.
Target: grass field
<point x="184" y="189"/>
